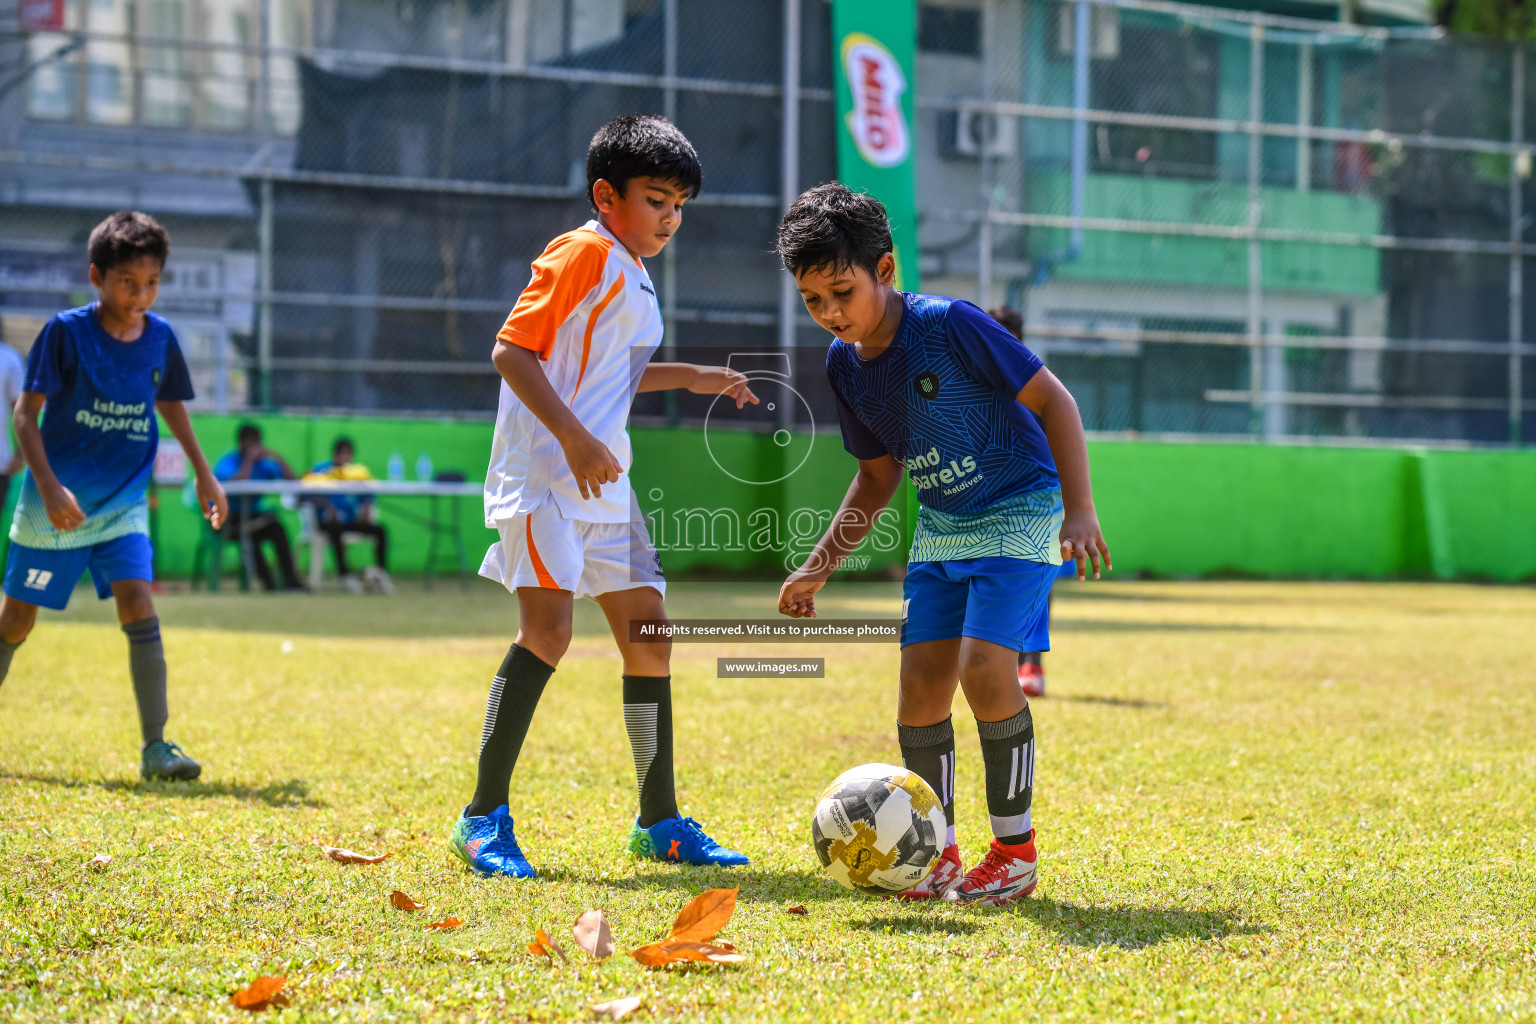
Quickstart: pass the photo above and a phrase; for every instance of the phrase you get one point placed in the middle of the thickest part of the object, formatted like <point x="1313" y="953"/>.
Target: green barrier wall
<point x="1167" y="509"/>
<point x="304" y="441"/>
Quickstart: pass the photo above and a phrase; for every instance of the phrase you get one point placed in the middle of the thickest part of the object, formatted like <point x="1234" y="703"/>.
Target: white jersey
<point x="590" y="312"/>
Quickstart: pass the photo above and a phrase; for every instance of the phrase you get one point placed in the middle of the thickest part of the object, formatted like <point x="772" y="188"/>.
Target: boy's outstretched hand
<point x="592" y="464"/>
<point x="797" y="597"/>
<point x="1082" y="541"/>
<point x="722" y="380"/>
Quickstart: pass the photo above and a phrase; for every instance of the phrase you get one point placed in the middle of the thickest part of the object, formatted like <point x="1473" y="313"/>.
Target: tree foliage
<point x="1503" y="19"/>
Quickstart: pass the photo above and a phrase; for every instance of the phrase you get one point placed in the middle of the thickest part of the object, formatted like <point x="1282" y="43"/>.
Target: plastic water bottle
<point x="396" y="467"/>
<point x="424" y="468"/>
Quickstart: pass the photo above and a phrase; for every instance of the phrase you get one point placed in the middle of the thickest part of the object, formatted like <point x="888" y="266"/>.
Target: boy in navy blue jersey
<point x="934" y="388"/>
<point x="102" y="372"/>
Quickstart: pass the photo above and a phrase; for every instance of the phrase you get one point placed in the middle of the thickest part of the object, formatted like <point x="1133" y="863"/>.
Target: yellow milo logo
<point x="876" y="120"/>
<point x="860" y="855"/>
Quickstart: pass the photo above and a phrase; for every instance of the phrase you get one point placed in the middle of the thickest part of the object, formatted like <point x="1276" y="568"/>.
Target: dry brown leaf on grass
<point x="543" y="945"/>
<point x="798" y="910"/>
<point x="265" y="991"/>
<point x="445" y="924"/>
<point x="704" y="916"/>
<point x="400" y="901"/>
<point x="593" y="935"/>
<point x="677" y="951"/>
<point x="341" y="856"/>
<point x="617" y="1009"/>
<point x="690" y="940"/>
<point x="99" y="862"/>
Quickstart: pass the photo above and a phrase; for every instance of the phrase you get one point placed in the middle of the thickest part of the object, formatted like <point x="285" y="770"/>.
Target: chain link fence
<point x="1212" y="223"/>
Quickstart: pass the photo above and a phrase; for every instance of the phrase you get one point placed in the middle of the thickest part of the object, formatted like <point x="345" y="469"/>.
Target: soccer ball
<point x="878" y="829"/>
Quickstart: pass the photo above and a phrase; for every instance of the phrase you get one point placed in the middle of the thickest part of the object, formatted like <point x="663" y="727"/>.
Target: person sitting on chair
<point x="340" y="514"/>
<point x="253" y="460"/>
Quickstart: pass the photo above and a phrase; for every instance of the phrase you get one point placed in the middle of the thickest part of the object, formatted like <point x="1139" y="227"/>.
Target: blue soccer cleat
<point x="681" y="841"/>
<point x="488" y="846"/>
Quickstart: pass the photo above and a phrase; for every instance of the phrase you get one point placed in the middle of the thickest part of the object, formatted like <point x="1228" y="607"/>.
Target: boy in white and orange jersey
<point x="574" y="352"/>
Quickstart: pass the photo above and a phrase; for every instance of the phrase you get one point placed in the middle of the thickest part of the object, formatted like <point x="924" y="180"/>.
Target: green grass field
<point x="1306" y="802"/>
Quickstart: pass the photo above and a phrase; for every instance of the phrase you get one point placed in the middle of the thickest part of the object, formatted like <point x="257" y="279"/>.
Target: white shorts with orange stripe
<point x="541" y="549"/>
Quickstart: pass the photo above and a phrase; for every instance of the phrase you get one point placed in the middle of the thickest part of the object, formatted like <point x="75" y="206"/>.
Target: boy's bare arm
<point x="210" y="493"/>
<point x="701" y="380"/>
<point x="268" y="453"/>
<point x="59" y="504"/>
<point x="868" y="495"/>
<point x="1081" y="537"/>
<point x="667" y="376"/>
<point x="590" y="460"/>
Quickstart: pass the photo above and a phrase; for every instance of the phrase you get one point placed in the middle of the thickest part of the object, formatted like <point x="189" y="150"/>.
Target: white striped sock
<point x="640" y="723"/>
<point x="492" y="709"/>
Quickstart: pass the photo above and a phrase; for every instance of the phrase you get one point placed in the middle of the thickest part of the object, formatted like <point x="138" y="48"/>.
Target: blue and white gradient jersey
<point x="942" y="401"/>
<point x="99" y="428"/>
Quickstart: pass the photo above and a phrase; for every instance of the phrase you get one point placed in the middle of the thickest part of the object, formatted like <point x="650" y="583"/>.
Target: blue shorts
<point x="1001" y="600"/>
<point x="47" y="578"/>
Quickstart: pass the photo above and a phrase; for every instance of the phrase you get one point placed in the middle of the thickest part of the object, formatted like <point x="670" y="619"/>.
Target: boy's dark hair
<point x="1010" y="318"/>
<point x="833" y="227"/>
<point x="642" y="146"/>
<point x="247" y="432"/>
<point x="127" y="236"/>
<point x="342" y="442"/>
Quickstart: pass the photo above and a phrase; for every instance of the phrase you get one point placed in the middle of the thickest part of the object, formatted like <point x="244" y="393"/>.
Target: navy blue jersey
<point x="99" y="428"/>
<point x="942" y="401"/>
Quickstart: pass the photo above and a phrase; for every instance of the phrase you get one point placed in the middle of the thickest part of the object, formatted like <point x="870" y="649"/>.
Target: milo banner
<point x="874" y="42"/>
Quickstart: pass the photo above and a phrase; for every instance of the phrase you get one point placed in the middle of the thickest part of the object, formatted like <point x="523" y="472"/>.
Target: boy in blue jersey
<point x="342" y="514"/>
<point x="934" y="388"/>
<point x="253" y="460"/>
<point x="102" y="372"/>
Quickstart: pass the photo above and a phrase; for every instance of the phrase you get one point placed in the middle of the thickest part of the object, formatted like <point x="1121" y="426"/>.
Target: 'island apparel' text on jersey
<point x="942" y="401"/>
<point x="99" y="428"/>
<point x="590" y="312"/>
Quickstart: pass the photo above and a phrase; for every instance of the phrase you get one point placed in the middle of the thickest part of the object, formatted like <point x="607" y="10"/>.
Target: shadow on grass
<point x="1128" y="927"/>
<point x="917" y="923"/>
<point x="757" y="886"/>
<point x="1113" y="702"/>
<point x="445" y="611"/>
<point x="289" y="793"/>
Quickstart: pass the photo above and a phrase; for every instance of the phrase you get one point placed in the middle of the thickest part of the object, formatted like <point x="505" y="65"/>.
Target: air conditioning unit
<point x="977" y="132"/>
<point x="1103" y="31"/>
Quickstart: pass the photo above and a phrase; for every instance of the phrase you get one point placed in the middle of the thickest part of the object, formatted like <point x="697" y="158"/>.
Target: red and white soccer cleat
<point x="1032" y="680"/>
<point x="944" y="877"/>
<point x="1006" y="874"/>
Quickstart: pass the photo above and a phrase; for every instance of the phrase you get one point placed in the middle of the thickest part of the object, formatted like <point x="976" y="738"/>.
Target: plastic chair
<point x="314" y="539"/>
<point x="210" y="546"/>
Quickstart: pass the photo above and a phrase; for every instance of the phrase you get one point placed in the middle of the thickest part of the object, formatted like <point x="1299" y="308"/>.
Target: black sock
<point x="648" y="720"/>
<point x="1008" y="753"/>
<point x="929" y="750"/>
<point x="6" y="652"/>
<point x="515" y="692"/>
<point x="146" y="663"/>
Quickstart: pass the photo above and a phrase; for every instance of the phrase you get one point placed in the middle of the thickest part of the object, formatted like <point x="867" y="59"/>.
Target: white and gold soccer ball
<point x="878" y="829"/>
